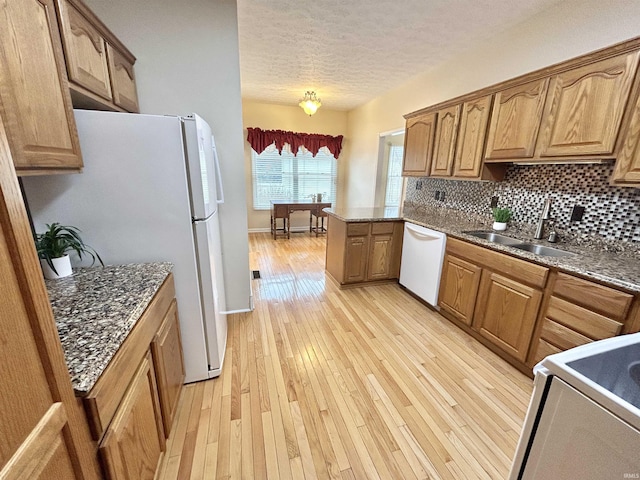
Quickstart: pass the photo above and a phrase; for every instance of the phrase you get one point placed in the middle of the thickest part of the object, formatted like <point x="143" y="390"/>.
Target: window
<point x="394" y="177"/>
<point x="288" y="177"/>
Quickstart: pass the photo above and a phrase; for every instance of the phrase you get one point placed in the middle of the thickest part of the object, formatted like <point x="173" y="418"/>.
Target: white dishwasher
<point x="421" y="264"/>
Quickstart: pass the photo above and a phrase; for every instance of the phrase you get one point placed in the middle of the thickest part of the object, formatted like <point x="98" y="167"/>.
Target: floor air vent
<point x="255" y="274"/>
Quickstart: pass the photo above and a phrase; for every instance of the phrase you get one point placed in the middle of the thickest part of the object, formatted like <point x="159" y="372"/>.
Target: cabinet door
<point x="39" y="428"/>
<point x="356" y="259"/>
<point x="470" y="146"/>
<point x="445" y="143"/>
<point x="134" y="442"/>
<point x="85" y="51"/>
<point x="380" y="255"/>
<point x="506" y="313"/>
<point x="123" y="80"/>
<point x="627" y="171"/>
<point x="418" y="145"/>
<point x="34" y="91"/>
<point x="169" y="365"/>
<point x="585" y="107"/>
<point x="459" y="288"/>
<point x="515" y="121"/>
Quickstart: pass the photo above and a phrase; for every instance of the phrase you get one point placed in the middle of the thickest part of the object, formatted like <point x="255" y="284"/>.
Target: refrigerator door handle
<point x="216" y="161"/>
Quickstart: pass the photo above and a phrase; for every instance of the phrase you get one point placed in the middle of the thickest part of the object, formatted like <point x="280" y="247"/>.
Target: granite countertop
<point x="95" y="309"/>
<point x="618" y="269"/>
<point x="364" y="214"/>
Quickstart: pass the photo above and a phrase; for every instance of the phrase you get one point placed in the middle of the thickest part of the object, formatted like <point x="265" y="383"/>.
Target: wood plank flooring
<point x="322" y="383"/>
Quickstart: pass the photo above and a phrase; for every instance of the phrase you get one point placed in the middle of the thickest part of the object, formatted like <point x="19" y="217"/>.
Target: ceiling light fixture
<point x="310" y="103"/>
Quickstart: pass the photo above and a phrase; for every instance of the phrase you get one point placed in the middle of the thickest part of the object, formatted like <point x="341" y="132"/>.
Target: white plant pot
<point x="62" y="266"/>
<point x="499" y="226"/>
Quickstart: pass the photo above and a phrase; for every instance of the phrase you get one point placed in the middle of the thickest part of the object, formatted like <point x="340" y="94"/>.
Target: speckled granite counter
<point x="95" y="309"/>
<point x="380" y="214"/>
<point x="618" y="269"/>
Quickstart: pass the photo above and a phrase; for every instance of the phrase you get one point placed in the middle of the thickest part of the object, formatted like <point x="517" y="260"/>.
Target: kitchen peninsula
<point x="364" y="245"/>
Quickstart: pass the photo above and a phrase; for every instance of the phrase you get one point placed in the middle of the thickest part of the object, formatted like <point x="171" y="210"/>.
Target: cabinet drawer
<point x="544" y="349"/>
<point x="358" y="229"/>
<point x="560" y="336"/>
<point x="586" y="322"/>
<point x="613" y="303"/>
<point x="526" y="272"/>
<point x="381" y="228"/>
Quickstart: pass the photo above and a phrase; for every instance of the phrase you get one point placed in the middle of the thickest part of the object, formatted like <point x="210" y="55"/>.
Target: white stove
<point x="584" y="417"/>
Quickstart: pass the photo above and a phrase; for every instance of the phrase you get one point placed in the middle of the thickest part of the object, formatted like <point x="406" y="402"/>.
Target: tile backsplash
<point x="611" y="213"/>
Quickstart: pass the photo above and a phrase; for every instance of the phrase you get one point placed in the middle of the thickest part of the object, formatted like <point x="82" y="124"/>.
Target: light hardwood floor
<point x="362" y="383"/>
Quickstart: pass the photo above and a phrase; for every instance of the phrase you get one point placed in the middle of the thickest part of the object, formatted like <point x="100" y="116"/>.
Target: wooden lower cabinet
<point x="576" y="312"/>
<point x="459" y="288"/>
<point x="355" y="265"/>
<point x="525" y="311"/>
<point x="361" y="252"/>
<point x="131" y="407"/>
<point x="506" y="313"/>
<point x="169" y="365"/>
<point x="134" y="442"/>
<point x="492" y="295"/>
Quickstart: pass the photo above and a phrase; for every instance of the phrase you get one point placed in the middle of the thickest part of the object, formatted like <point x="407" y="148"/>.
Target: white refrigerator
<point x="150" y="191"/>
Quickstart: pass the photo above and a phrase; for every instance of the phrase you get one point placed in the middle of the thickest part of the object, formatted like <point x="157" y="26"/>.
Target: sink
<point x="519" y="244"/>
<point x="542" y="250"/>
<point x="617" y="371"/>
<point x="494" y="237"/>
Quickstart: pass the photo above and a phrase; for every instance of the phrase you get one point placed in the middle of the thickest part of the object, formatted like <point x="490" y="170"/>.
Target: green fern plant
<point x="502" y="215"/>
<point x="58" y="239"/>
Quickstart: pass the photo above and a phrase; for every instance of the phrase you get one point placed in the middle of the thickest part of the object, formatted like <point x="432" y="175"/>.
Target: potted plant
<point x="53" y="245"/>
<point x="501" y="216"/>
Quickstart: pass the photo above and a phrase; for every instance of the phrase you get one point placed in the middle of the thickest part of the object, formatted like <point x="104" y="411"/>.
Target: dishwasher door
<point x="421" y="264"/>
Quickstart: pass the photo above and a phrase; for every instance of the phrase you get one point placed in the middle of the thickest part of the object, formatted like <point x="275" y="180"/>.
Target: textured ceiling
<point x="350" y="51"/>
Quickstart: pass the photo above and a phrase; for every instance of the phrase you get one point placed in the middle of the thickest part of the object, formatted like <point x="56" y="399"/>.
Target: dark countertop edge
<point x="363" y="219"/>
<point x="551" y="262"/>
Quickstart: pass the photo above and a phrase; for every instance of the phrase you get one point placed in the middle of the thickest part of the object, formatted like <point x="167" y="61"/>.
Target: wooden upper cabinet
<point x="515" y="121"/>
<point x="585" y="107"/>
<point x="34" y="93"/>
<point x="627" y="171"/>
<point x="445" y="142"/>
<point x="123" y="80"/>
<point x="100" y="67"/>
<point x="418" y="145"/>
<point x="85" y="50"/>
<point x="470" y="145"/>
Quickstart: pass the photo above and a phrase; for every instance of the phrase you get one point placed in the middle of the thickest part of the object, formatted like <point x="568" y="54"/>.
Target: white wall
<point x="187" y="61"/>
<point x="286" y="117"/>
<point x="568" y="29"/>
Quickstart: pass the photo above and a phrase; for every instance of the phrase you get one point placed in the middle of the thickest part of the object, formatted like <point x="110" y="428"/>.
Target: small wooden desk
<point x="282" y="209"/>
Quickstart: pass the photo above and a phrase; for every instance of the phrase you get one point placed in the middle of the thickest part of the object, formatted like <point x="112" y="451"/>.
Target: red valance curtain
<point x="260" y="139"/>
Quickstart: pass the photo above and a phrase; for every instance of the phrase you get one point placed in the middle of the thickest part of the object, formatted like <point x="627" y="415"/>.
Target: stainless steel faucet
<point x="546" y="209"/>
